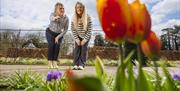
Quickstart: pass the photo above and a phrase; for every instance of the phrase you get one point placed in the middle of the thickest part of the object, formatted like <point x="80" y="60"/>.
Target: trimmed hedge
<point x="102" y="52"/>
<point x="170" y="55"/>
<point x="107" y="53"/>
<point x="27" y="52"/>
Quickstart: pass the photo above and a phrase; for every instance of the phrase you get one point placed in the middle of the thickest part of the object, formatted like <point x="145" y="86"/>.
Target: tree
<point x="10" y="39"/>
<point x="176" y="34"/>
<point x="168" y="36"/>
<point x="35" y="38"/>
<point x="15" y="39"/>
<point x="164" y="45"/>
<point x="171" y="38"/>
<point x="99" y="41"/>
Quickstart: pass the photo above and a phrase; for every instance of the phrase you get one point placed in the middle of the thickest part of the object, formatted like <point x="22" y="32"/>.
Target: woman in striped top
<point x="81" y="27"/>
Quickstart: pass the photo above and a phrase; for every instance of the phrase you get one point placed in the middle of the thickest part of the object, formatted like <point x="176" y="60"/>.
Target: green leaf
<point x="99" y="67"/>
<point x="25" y="80"/>
<point x="89" y="83"/>
<point x="131" y="79"/>
<point x="169" y="84"/>
<point x="142" y="83"/>
<point x="121" y="82"/>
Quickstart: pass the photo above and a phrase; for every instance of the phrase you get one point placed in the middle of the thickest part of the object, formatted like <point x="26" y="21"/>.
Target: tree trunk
<point x="176" y="44"/>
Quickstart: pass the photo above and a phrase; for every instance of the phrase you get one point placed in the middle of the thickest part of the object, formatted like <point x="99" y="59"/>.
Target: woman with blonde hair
<point x="54" y="33"/>
<point x="81" y="27"/>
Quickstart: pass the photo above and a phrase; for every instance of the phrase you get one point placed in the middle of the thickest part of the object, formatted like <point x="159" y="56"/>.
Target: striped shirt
<point x="80" y="31"/>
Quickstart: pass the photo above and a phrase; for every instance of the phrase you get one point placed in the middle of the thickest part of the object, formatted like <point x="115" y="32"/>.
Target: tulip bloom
<point x="115" y="18"/>
<point x="151" y="46"/>
<point x="84" y="83"/>
<point x="72" y="86"/>
<point x="141" y="22"/>
<point x="121" y="20"/>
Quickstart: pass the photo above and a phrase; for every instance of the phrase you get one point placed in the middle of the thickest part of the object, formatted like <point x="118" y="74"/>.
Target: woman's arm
<point x="75" y="34"/>
<point x="89" y="30"/>
<point x="65" y="29"/>
<point x="53" y="18"/>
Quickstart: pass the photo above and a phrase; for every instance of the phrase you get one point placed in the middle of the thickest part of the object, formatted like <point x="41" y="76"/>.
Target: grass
<point x="67" y="62"/>
<point x="169" y="63"/>
<point x="42" y="61"/>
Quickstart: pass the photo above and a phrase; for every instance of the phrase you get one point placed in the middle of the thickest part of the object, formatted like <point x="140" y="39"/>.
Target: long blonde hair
<point x="57" y="9"/>
<point x="84" y="17"/>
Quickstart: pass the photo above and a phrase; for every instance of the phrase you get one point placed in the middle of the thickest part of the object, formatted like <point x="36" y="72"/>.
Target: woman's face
<point x="79" y="9"/>
<point x="60" y="10"/>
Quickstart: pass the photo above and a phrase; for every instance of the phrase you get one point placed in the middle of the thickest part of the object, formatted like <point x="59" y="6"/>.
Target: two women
<point x="81" y="28"/>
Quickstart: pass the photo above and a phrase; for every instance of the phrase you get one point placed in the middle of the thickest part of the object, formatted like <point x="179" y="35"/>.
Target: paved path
<point x="89" y="70"/>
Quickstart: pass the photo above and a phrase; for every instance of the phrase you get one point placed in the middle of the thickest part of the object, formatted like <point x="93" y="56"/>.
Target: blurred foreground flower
<point x="122" y="21"/>
<point x="84" y="83"/>
<point x="141" y="22"/>
<point x="151" y="46"/>
<point x="71" y="85"/>
<point x="54" y="75"/>
<point x="115" y="19"/>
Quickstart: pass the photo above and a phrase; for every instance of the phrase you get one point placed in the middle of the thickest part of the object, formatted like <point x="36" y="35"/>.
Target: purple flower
<point x="176" y="76"/>
<point x="49" y="75"/>
<point x="57" y="75"/>
<point x="54" y="75"/>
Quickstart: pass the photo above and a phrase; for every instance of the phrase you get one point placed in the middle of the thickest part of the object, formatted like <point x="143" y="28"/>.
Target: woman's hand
<point x="83" y="42"/>
<point x="56" y="17"/>
<point x="56" y="39"/>
<point x="78" y="42"/>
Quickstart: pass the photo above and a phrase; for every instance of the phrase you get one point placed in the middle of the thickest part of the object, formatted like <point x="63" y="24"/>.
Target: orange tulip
<point x="151" y="46"/>
<point x="115" y="18"/>
<point x="72" y="86"/>
<point x="141" y="22"/>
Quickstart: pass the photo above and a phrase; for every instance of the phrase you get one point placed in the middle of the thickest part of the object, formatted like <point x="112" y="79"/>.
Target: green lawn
<point x="67" y="62"/>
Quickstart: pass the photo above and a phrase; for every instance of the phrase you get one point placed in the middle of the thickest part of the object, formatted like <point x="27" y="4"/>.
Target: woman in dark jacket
<point x="54" y="33"/>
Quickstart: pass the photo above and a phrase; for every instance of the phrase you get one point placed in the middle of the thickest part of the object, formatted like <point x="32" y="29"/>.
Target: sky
<point x="34" y="14"/>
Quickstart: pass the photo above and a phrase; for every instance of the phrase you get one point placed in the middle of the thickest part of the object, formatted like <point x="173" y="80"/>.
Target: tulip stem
<point x="121" y="53"/>
<point x="158" y="84"/>
<point x="139" y="55"/>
